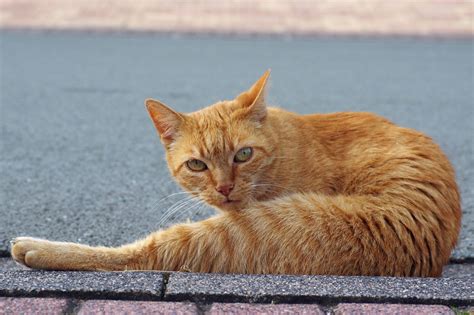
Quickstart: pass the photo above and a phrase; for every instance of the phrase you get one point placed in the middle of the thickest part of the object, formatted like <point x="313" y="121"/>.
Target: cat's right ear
<point x="166" y="120"/>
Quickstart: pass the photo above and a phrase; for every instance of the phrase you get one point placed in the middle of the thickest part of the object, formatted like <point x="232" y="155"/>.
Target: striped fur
<point x="342" y="194"/>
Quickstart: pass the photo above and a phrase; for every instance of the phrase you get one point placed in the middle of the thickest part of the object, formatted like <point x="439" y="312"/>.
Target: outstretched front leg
<point x="42" y="254"/>
<point x="201" y="246"/>
<point x="290" y="235"/>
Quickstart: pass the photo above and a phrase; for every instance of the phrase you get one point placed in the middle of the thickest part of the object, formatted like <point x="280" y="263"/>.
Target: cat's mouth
<point x="229" y="201"/>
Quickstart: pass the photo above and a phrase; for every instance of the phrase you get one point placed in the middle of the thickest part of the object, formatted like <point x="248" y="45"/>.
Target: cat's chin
<point x="231" y="205"/>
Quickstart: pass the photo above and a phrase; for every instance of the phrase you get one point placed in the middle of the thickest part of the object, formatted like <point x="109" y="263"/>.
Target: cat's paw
<point x="31" y="252"/>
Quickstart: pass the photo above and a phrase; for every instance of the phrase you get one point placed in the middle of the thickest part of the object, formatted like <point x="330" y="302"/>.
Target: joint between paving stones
<point x="204" y="289"/>
<point x="460" y="261"/>
<point x="328" y="302"/>
<point x="72" y="306"/>
<point x="164" y="284"/>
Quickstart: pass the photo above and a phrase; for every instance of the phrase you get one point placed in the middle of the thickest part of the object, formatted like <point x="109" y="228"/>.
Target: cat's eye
<point x="243" y="155"/>
<point x="196" y="165"/>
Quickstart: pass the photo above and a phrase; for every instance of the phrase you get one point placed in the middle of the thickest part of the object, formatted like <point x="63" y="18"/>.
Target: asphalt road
<point x="80" y="160"/>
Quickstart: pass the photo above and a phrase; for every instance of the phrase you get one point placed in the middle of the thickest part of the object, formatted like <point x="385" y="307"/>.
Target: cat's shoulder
<point x="351" y="118"/>
<point x="348" y="117"/>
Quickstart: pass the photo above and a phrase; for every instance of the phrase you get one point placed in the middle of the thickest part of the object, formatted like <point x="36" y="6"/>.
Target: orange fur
<point x="342" y="193"/>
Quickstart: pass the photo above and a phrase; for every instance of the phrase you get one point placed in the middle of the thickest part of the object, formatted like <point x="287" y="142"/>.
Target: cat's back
<point x="326" y="125"/>
<point x="351" y="134"/>
<point x="342" y="132"/>
<point x="362" y="148"/>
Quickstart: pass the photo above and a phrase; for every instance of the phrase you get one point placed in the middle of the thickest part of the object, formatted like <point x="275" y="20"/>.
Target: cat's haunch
<point x="341" y="194"/>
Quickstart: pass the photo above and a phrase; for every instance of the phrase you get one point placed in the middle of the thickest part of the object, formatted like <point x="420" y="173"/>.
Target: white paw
<point x="28" y="251"/>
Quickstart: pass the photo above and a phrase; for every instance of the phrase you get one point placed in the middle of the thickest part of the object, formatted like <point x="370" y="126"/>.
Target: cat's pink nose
<point x="225" y="189"/>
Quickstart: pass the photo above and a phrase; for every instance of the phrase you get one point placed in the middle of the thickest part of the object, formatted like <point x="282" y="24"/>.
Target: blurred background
<point x="80" y="160"/>
<point x="355" y="17"/>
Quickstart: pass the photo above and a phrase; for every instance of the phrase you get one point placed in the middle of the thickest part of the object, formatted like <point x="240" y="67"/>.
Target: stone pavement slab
<point x="458" y="271"/>
<point x="80" y="160"/>
<point x="251" y="309"/>
<point x="50" y="306"/>
<point x="209" y="288"/>
<point x="118" y="285"/>
<point x="318" y="289"/>
<point x="103" y="307"/>
<point x="465" y="270"/>
<point x="406" y="309"/>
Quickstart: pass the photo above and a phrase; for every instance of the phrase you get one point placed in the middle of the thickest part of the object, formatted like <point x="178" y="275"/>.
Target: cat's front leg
<point x="42" y="254"/>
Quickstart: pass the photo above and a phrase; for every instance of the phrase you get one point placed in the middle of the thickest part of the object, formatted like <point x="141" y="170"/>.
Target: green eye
<point x="243" y="155"/>
<point x="196" y="165"/>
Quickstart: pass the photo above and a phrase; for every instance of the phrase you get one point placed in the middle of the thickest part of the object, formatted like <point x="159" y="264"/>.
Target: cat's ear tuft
<point x="166" y="120"/>
<point x="254" y="99"/>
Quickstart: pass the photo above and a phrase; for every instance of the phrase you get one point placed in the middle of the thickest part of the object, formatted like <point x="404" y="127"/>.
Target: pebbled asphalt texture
<point x="80" y="160"/>
<point x="322" y="289"/>
<point x="90" y="285"/>
<point x="449" y="271"/>
<point x="208" y="288"/>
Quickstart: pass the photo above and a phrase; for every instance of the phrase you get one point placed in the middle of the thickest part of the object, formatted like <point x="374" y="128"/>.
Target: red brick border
<point x="406" y="309"/>
<point x="16" y="306"/>
<point x="111" y="307"/>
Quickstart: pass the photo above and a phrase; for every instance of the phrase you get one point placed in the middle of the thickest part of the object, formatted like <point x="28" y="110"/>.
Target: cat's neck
<point x="297" y="154"/>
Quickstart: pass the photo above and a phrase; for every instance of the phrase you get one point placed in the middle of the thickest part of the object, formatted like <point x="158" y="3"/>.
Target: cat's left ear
<point x="166" y="120"/>
<point x="254" y="99"/>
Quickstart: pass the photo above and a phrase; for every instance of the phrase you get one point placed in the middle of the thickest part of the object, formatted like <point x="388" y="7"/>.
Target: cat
<point x="341" y="194"/>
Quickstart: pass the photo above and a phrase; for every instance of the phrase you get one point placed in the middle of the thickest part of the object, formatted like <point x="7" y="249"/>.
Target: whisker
<point x="173" y="206"/>
<point x="194" y="209"/>
<point x="155" y="203"/>
<point x="178" y="214"/>
<point x="176" y="209"/>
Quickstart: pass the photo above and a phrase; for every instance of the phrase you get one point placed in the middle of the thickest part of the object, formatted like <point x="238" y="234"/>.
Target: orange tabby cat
<point x="341" y="194"/>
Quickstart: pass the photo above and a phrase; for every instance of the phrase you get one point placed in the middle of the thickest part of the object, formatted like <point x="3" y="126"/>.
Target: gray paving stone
<point x="33" y="306"/>
<point x="406" y="309"/>
<point x="109" y="307"/>
<point x="120" y="285"/>
<point x="449" y="271"/>
<point x="318" y="289"/>
<point x="459" y="271"/>
<point x="250" y="309"/>
<point x="8" y="264"/>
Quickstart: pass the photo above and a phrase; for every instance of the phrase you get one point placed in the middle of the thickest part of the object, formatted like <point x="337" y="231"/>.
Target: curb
<point x="210" y="288"/>
<point x="69" y="306"/>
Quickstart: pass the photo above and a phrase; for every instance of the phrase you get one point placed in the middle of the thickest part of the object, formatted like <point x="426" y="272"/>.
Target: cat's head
<point x="222" y="152"/>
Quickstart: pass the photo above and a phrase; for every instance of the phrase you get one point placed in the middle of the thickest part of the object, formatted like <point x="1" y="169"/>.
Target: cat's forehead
<point x="221" y="119"/>
<point x="216" y="130"/>
<point x="220" y="112"/>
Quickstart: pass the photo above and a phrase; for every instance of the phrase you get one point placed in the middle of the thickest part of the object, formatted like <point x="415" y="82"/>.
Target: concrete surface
<point x="210" y="288"/>
<point x="80" y="160"/>
<point x="317" y="289"/>
<point x="90" y="285"/>
<point x="464" y="270"/>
